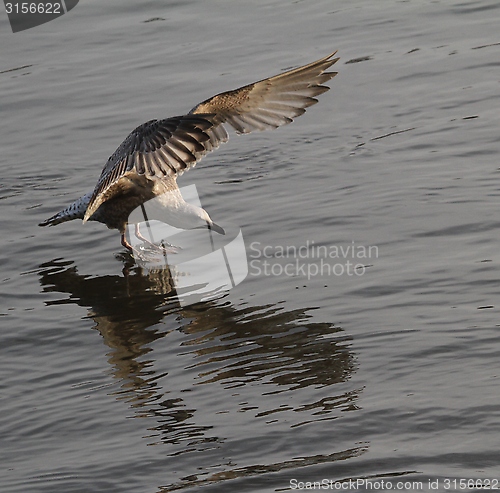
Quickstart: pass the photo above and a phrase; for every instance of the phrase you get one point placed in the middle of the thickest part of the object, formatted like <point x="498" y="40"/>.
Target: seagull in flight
<point x="148" y="162"/>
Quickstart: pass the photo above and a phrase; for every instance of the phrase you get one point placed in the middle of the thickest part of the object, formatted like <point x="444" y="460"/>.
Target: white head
<point x="196" y="217"/>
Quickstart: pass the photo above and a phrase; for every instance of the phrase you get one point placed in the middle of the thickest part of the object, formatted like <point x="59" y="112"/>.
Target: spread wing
<point x="158" y="149"/>
<point x="271" y="102"/>
<point x="162" y="149"/>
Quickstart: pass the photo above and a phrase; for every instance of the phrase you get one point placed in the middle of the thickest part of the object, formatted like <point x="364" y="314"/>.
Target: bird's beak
<point x="217" y="228"/>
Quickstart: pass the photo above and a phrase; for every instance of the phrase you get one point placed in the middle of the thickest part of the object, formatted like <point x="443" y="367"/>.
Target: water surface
<point x="108" y="385"/>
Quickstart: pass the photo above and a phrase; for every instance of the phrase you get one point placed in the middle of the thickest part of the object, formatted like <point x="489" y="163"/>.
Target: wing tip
<point x="331" y="61"/>
<point x="91" y="208"/>
<point x="88" y="214"/>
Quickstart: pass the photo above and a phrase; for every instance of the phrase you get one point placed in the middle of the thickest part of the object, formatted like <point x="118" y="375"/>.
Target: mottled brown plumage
<point x="151" y="158"/>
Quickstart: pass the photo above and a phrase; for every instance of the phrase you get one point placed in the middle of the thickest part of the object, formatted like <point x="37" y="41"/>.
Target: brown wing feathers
<point x="271" y="102"/>
<point x="165" y="148"/>
<point x="157" y="149"/>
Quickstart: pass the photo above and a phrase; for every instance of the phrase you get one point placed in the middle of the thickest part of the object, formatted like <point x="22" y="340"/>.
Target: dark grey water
<point x="387" y="373"/>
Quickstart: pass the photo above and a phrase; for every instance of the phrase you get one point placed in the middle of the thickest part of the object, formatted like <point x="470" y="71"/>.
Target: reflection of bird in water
<point x="254" y="357"/>
<point x="134" y="310"/>
<point x="149" y="160"/>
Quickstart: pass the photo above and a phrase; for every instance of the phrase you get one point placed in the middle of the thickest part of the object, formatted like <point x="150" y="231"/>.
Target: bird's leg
<point x="141" y="237"/>
<point x="126" y="244"/>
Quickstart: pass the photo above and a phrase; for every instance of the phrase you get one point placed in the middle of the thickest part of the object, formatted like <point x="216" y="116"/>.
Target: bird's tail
<point x="74" y="211"/>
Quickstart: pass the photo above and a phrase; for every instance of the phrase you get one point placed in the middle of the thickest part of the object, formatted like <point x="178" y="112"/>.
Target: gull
<point x="148" y="162"/>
